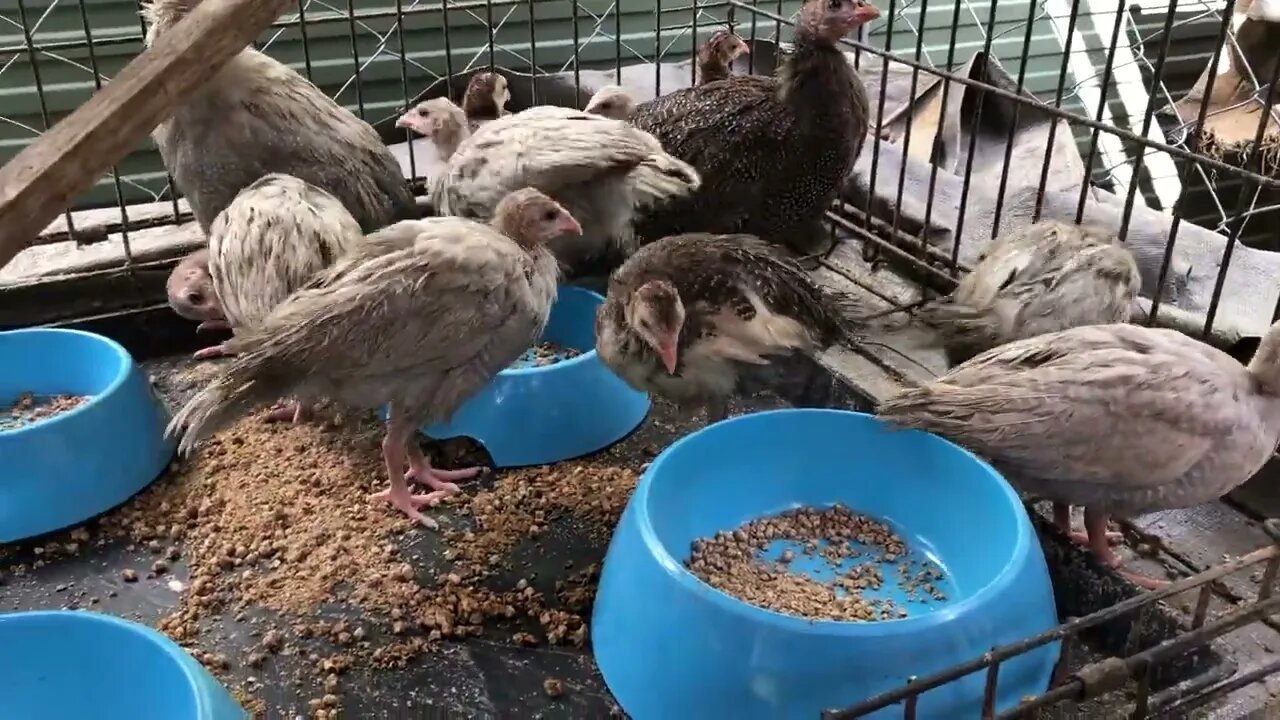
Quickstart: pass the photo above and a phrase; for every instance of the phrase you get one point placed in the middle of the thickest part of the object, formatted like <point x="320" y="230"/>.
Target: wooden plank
<point x="43" y="179"/>
<point x="98" y="224"/>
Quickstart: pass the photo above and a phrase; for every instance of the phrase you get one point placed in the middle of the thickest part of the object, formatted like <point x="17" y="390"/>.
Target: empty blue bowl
<point x="672" y="647"/>
<point x="65" y="665"/>
<point x="539" y="415"/>
<point x="67" y="468"/>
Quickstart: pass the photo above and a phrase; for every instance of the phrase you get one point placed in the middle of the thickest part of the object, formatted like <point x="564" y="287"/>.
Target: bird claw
<point x="409" y="504"/>
<point x="209" y="353"/>
<point x="442" y="480"/>
<point x="289" y="412"/>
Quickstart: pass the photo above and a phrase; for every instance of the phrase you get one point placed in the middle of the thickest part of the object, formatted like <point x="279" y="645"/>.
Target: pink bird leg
<point x="394" y="444"/>
<point x="1095" y="524"/>
<point x="294" y="412"/>
<point x="1062" y="518"/>
<point x="439" y="480"/>
<point x="211" y="352"/>
<point x="210" y="325"/>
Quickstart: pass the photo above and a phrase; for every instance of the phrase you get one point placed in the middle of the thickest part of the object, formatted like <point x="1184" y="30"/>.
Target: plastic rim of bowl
<point x="124" y="364"/>
<point x="791" y="623"/>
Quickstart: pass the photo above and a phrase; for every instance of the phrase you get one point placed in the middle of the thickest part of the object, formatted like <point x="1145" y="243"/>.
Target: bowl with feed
<point x="558" y="401"/>
<point x="81" y="429"/>
<point x="788" y="562"/>
<point x="71" y="665"/>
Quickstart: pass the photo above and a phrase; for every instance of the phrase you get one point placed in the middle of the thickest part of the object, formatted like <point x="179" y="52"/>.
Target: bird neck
<point x="814" y="75"/>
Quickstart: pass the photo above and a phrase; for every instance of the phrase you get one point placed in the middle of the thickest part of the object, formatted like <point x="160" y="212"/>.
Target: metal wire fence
<point x="1110" y="69"/>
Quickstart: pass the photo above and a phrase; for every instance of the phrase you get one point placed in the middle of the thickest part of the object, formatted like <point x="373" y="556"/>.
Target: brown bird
<point x="419" y="325"/>
<point x="1120" y="419"/>
<point x="1043" y="278"/>
<point x="772" y="151"/>
<point x="256" y="117"/>
<point x="717" y="54"/>
<point x="486" y="99"/>
<point x="603" y="171"/>
<point x="684" y="314"/>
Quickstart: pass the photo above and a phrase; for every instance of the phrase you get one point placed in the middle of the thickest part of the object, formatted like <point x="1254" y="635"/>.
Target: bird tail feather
<point x="239" y="390"/>
<point x="662" y="178"/>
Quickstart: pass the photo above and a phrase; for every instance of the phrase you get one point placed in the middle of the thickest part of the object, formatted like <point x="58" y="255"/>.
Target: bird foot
<point x="211" y="352"/>
<point x="1082" y="538"/>
<point x="293" y="412"/>
<point x="408" y="504"/>
<point x="1113" y="561"/>
<point x="441" y="480"/>
<point x="212" y="325"/>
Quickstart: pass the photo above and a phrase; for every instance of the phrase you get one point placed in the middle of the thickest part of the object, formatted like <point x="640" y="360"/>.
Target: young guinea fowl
<point x="1046" y="277"/>
<point x="269" y="242"/>
<point x="421" y="324"/>
<point x="257" y="116"/>
<point x="485" y="100"/>
<point x="716" y="56"/>
<point x="683" y="315"/>
<point x="1119" y="419"/>
<point x="603" y="171"/>
<point x="772" y="151"/>
<point x="191" y="295"/>
<point x="612" y="101"/>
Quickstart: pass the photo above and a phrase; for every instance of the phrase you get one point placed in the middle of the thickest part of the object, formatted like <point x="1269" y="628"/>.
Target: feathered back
<point x="1046" y="277"/>
<point x="425" y="325"/>
<point x="270" y="241"/>
<point x="599" y="169"/>
<point x="256" y="117"/>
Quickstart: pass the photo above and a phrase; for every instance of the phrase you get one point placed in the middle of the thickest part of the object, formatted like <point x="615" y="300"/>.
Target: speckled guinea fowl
<point x="278" y="233"/>
<point x="685" y="313"/>
<point x="1120" y="419"/>
<point x="1045" y="277"/>
<point x="257" y="116"/>
<point x="420" y="328"/>
<point x="772" y="151"/>
<point x="485" y="100"/>
<point x="603" y="171"/>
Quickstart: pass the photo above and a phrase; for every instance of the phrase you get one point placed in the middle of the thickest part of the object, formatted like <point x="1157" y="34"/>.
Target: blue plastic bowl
<point x="64" y="665"/>
<point x="540" y="415"/>
<point x="67" y="468"/>
<point x="672" y="647"/>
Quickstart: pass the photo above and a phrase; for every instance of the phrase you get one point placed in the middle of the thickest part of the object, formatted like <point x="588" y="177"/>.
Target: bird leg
<point x="211" y="352"/>
<point x="440" y="481"/>
<point x="1062" y="518"/>
<point x="294" y="412"/>
<point x="1095" y="524"/>
<point x="394" y="445"/>
<point x="717" y="410"/>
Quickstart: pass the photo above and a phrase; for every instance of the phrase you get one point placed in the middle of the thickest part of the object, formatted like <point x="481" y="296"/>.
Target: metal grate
<point x="1105" y="68"/>
<point x="1112" y="674"/>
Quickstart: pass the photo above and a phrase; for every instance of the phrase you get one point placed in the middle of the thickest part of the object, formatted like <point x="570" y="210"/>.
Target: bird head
<point x="611" y="101"/>
<point x="656" y="314"/>
<point x="190" y="289"/>
<point x="486" y="97"/>
<point x="440" y="121"/>
<point x="831" y="20"/>
<point x="723" y="48"/>
<point x="531" y="218"/>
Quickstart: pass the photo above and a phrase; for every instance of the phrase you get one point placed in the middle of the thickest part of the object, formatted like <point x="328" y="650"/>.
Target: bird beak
<point x="865" y="13"/>
<point x="667" y="351"/>
<point x="406" y="120"/>
<point x="743" y="49"/>
<point x="569" y="226"/>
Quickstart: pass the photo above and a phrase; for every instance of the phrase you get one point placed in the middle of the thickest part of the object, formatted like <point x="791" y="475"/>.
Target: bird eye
<point x="422" y="112"/>
<point x="195" y="298"/>
<point x="550" y="215"/>
<point x="835" y="4"/>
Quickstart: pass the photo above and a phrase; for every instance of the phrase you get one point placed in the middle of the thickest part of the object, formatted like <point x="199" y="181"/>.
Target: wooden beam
<point x="43" y="179"/>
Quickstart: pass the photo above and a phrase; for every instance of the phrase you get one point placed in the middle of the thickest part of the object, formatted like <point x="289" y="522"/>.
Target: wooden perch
<point x="43" y="179"/>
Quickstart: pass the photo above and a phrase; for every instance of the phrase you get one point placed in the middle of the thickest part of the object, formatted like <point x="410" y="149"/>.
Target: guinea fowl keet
<point x="772" y="151"/>
<point x="190" y="291"/>
<point x="612" y="101"/>
<point x="485" y="100"/>
<point x="683" y="315"/>
<point x="603" y="171"/>
<point x="716" y="56"/>
<point x="1045" y="277"/>
<point x="419" y="326"/>
<point x="257" y="116"/>
<point x="1119" y="419"/>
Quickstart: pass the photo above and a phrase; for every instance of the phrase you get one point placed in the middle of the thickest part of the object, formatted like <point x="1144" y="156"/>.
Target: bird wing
<point x="458" y="297"/>
<point x="545" y="148"/>
<point x="1108" y="404"/>
<point x="696" y="125"/>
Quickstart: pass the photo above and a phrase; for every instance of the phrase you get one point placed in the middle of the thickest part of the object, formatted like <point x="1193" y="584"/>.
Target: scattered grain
<point x="29" y="409"/>
<point x="553" y="687"/>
